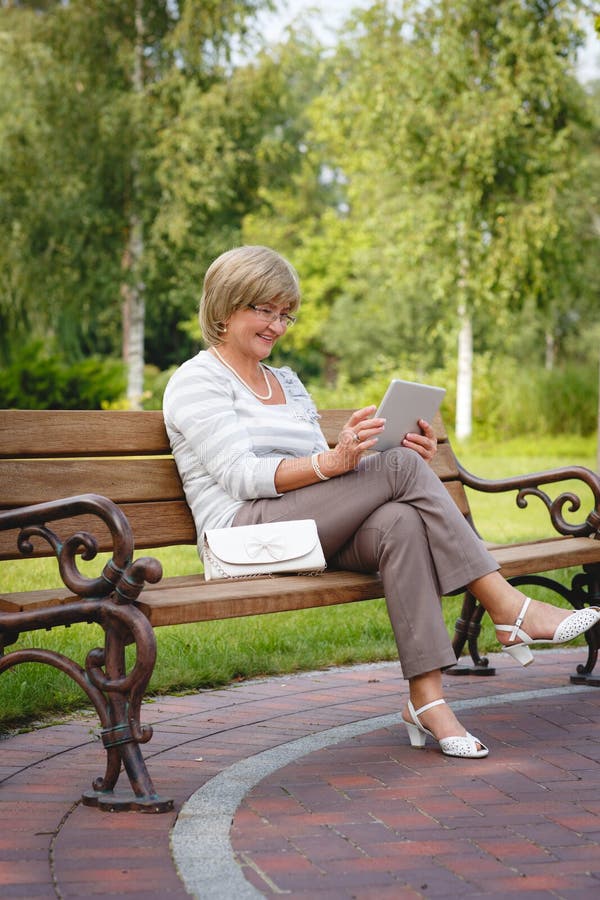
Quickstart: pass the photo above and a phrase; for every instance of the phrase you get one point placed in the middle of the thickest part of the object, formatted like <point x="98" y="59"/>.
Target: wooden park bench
<point x="66" y="475"/>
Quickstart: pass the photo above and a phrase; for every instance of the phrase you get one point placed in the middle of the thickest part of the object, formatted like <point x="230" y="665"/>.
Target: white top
<point x="227" y="444"/>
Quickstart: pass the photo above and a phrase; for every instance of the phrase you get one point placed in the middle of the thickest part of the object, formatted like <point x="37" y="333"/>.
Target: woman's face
<point x="253" y="331"/>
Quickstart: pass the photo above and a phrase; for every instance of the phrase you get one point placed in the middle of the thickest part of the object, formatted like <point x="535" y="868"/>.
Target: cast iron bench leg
<point x="466" y="631"/>
<point x="123" y="734"/>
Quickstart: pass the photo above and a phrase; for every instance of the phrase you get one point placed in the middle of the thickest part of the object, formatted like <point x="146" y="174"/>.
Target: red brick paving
<point x="368" y="817"/>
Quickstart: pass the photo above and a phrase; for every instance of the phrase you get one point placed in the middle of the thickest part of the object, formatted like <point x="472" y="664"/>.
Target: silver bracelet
<point x="316" y="468"/>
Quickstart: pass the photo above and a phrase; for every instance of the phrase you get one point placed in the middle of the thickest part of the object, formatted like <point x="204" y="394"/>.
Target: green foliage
<point x="62" y="172"/>
<point x="219" y="153"/>
<point x="441" y="157"/>
<point x="509" y="400"/>
<point x="462" y="153"/>
<point x="35" y="379"/>
<point x="155" y="383"/>
<point x="570" y="400"/>
<point x="90" y="144"/>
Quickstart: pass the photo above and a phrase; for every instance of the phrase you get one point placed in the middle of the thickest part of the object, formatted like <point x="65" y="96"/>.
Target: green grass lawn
<point x="217" y="653"/>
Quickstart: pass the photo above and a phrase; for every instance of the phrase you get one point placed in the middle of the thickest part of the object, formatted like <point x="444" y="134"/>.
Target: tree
<point x="458" y="131"/>
<point x="299" y="198"/>
<point x="91" y="80"/>
<point x="233" y="145"/>
<point x="59" y="184"/>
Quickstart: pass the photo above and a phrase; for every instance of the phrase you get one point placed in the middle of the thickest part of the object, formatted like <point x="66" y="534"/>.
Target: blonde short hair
<point x="244" y="276"/>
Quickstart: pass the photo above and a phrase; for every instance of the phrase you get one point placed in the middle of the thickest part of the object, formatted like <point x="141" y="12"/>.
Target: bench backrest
<point x="50" y="454"/>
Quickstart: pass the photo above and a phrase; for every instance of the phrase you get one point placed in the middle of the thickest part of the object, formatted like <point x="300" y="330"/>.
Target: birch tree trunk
<point x="464" y="373"/>
<point x="132" y="288"/>
<point x="134" y="311"/>
<point x="464" y="377"/>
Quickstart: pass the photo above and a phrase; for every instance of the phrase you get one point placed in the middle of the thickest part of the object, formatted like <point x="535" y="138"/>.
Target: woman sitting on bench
<point x="249" y="449"/>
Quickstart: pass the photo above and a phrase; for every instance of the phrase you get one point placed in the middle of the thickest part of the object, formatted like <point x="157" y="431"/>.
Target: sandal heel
<point x="416" y="736"/>
<point x="521" y="653"/>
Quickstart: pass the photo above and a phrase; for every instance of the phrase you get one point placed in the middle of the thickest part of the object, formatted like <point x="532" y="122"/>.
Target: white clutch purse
<point x="273" y="548"/>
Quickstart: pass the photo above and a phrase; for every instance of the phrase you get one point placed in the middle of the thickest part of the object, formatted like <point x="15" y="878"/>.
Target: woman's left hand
<point x="425" y="444"/>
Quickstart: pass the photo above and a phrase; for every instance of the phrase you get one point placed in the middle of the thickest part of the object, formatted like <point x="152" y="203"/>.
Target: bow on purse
<point x="273" y="546"/>
<point x="269" y="549"/>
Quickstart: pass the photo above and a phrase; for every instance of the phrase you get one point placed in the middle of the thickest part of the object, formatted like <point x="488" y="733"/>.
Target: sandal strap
<point x="428" y="706"/>
<point x="522" y="635"/>
<point x="519" y="620"/>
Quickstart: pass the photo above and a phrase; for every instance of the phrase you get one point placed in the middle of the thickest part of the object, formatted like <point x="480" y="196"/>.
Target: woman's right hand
<point x="358" y="435"/>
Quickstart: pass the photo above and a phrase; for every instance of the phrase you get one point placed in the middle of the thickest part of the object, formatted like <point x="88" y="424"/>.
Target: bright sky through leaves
<point x="328" y="14"/>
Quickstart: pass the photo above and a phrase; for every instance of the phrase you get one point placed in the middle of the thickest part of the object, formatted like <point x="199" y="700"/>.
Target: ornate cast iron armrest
<point x="120" y="574"/>
<point x="527" y="485"/>
<point x="107" y="600"/>
<point x="584" y="586"/>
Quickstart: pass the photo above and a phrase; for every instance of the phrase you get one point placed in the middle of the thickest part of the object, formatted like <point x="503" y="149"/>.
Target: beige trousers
<point x="392" y="515"/>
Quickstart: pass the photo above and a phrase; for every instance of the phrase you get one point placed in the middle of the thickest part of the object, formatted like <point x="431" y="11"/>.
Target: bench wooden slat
<point x="191" y="599"/>
<point x="52" y="433"/>
<point x="46" y="433"/>
<point x="122" y="480"/>
<point x="333" y="420"/>
<point x="459" y="495"/>
<point x="224" y="600"/>
<point x="543" y="556"/>
<point x="158" y="524"/>
<point x="35" y="599"/>
<point x="444" y="463"/>
<point x="154" y="524"/>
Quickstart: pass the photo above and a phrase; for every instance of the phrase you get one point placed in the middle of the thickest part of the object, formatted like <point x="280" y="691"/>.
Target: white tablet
<point x="403" y="404"/>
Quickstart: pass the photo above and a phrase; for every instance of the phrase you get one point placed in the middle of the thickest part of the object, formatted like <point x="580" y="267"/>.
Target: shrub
<point x="38" y="380"/>
<point x="509" y="400"/>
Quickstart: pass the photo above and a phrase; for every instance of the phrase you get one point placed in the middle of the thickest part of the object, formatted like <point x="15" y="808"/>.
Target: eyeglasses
<point x="269" y="315"/>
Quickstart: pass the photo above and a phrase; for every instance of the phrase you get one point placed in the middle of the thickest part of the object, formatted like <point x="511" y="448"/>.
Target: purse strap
<point x="216" y="562"/>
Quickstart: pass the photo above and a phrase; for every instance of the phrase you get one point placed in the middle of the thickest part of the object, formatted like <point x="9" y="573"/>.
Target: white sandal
<point x="459" y="745"/>
<point x="571" y="627"/>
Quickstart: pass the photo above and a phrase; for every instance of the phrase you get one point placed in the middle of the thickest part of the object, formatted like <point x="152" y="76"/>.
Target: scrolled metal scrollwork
<point x="119" y="571"/>
<point x="24" y="539"/>
<point x="555" y="508"/>
<point x="529" y="486"/>
<point x="32" y="520"/>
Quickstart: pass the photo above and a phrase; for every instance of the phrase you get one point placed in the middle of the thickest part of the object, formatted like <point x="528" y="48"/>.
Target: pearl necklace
<point x="258" y="396"/>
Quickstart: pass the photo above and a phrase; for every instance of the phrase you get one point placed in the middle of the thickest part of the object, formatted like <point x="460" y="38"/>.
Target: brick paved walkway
<point x="327" y="798"/>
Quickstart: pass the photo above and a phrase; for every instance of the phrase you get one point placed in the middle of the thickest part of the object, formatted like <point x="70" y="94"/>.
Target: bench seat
<point x="189" y="598"/>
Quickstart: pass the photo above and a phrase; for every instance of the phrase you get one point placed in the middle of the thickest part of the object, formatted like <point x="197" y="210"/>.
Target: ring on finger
<point x="356" y="438"/>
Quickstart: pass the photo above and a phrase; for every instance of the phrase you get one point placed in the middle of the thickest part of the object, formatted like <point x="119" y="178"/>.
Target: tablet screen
<point x="404" y="403"/>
